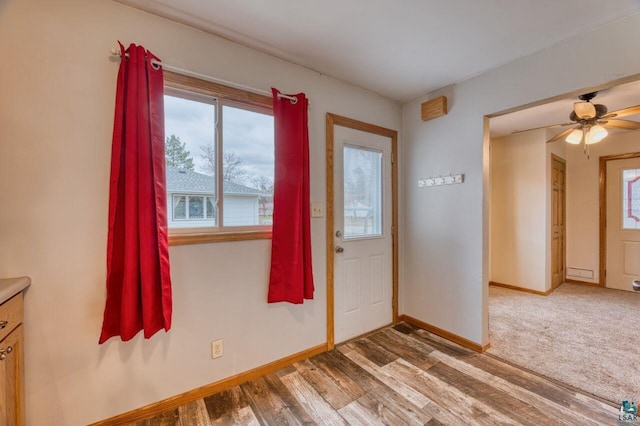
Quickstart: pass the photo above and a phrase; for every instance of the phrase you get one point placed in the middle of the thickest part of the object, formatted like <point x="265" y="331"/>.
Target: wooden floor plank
<point x="194" y="413"/>
<point x="542" y="404"/>
<point x="392" y="409"/>
<point x="375" y="354"/>
<point x="416" y="398"/>
<point x="222" y="404"/>
<point x="275" y="381"/>
<point x="519" y="411"/>
<point x="319" y="409"/>
<point x="396" y="376"/>
<point x="550" y="390"/>
<point x="411" y="350"/>
<point x="357" y="414"/>
<point x="268" y="407"/>
<point x="168" y="418"/>
<point x="429" y="340"/>
<point x="467" y="408"/>
<point x="243" y="416"/>
<point x="380" y="399"/>
<point x="329" y="389"/>
<point x="334" y="369"/>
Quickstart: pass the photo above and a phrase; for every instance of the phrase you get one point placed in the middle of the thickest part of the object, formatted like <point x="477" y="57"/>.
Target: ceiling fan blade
<point x="545" y="127"/>
<point x="622" y="124"/>
<point x="561" y="135"/>
<point x="584" y="110"/>
<point x="623" y="112"/>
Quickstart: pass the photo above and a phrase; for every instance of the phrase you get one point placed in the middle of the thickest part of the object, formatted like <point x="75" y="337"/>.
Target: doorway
<point x="619" y="220"/>
<point x="558" y="220"/>
<point x="362" y="223"/>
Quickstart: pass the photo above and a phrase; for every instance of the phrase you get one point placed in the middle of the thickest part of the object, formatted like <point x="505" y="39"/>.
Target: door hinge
<point x="392" y="159"/>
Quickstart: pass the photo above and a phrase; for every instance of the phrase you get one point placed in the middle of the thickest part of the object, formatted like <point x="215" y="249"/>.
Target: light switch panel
<point x="317" y="210"/>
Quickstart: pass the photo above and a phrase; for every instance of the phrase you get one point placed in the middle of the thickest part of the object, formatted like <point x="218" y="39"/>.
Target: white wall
<point x="583" y="223"/>
<point x="56" y="109"/>
<point x="445" y="255"/>
<point x="518" y="210"/>
<point x="241" y="210"/>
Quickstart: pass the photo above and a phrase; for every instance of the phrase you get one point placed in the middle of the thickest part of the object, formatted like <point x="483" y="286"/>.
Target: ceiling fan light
<point x="575" y="137"/>
<point x="596" y="134"/>
<point x="584" y="110"/>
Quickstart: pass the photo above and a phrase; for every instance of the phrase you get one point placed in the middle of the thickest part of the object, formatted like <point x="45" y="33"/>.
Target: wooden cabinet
<point x="11" y="363"/>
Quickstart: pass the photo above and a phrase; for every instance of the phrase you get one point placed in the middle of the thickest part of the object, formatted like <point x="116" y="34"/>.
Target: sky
<point x="246" y="133"/>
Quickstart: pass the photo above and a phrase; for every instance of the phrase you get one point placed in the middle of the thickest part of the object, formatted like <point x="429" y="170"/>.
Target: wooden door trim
<point x="603" y="210"/>
<point x="564" y="218"/>
<point x="338" y="120"/>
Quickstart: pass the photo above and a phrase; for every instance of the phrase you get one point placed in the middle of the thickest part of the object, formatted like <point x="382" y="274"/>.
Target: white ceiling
<point x="398" y="49"/>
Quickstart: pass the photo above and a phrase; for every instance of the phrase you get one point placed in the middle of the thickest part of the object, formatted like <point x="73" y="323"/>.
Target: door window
<point x="362" y="192"/>
<point x="631" y="199"/>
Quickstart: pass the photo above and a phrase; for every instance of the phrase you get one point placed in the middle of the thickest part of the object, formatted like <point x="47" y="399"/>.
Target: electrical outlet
<point x="216" y="349"/>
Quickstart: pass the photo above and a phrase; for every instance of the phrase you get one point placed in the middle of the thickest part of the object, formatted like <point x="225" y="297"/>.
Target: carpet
<point x="584" y="336"/>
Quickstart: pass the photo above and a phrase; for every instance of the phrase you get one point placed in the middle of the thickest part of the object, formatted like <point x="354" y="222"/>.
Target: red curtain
<point x="291" y="278"/>
<point x="138" y="280"/>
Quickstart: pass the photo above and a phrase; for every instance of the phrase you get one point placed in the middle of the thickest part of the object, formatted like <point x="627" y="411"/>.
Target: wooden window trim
<point x="217" y="237"/>
<point x="231" y="95"/>
<point x="195" y="85"/>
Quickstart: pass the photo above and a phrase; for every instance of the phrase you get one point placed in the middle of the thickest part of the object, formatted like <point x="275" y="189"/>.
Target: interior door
<point x="558" y="174"/>
<point x="623" y="223"/>
<point x="363" y="275"/>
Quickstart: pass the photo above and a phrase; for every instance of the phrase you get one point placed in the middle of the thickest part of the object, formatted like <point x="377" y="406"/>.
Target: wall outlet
<point x="216" y="349"/>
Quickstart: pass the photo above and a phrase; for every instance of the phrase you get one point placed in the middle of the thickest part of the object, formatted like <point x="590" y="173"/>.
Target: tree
<point x="176" y="153"/>
<point x="265" y="200"/>
<point x="232" y="167"/>
<point x="208" y="155"/>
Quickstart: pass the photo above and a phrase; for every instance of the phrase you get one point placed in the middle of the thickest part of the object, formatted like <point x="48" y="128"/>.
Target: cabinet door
<point x="11" y="379"/>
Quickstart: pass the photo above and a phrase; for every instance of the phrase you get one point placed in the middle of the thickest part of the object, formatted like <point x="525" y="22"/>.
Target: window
<point x="631" y="199"/>
<point x="362" y="192"/>
<point x="219" y="140"/>
<point x="193" y="208"/>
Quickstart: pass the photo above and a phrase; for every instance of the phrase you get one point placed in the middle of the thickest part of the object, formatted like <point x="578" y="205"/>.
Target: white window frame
<point x="188" y="217"/>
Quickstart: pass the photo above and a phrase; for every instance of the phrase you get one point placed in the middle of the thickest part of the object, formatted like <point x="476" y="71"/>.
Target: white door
<point x="363" y="243"/>
<point x="623" y="223"/>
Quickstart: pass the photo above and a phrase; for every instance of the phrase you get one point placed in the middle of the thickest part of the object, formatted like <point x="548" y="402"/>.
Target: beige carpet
<point x="584" y="336"/>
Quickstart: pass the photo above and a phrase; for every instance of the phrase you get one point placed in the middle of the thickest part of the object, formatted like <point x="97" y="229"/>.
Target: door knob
<point x="339" y="249"/>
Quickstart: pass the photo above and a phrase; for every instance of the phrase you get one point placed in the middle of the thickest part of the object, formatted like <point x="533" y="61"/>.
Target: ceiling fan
<point x="590" y="121"/>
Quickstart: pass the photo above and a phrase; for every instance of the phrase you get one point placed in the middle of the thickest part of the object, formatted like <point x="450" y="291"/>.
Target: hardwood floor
<point x="399" y="375"/>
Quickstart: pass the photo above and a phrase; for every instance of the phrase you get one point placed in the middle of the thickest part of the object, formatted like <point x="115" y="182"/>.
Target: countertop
<point x="9" y="287"/>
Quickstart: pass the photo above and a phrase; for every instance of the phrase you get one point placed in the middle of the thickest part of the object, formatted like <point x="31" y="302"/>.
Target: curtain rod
<point x="155" y="63"/>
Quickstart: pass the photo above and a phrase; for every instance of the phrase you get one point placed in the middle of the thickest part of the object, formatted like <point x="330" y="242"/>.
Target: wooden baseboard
<point x="206" y="390"/>
<point x="444" y="334"/>
<point x="526" y="290"/>
<point x="590" y="284"/>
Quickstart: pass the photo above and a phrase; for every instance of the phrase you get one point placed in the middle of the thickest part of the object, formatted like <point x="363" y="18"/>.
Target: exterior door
<point x="363" y="270"/>
<point x="558" y="174"/>
<point x="623" y="223"/>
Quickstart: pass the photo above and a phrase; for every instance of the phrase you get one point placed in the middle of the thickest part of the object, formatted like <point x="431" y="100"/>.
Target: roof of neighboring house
<point x="182" y="180"/>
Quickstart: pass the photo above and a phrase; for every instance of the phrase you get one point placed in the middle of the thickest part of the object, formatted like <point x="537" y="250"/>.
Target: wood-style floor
<point x="396" y="376"/>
